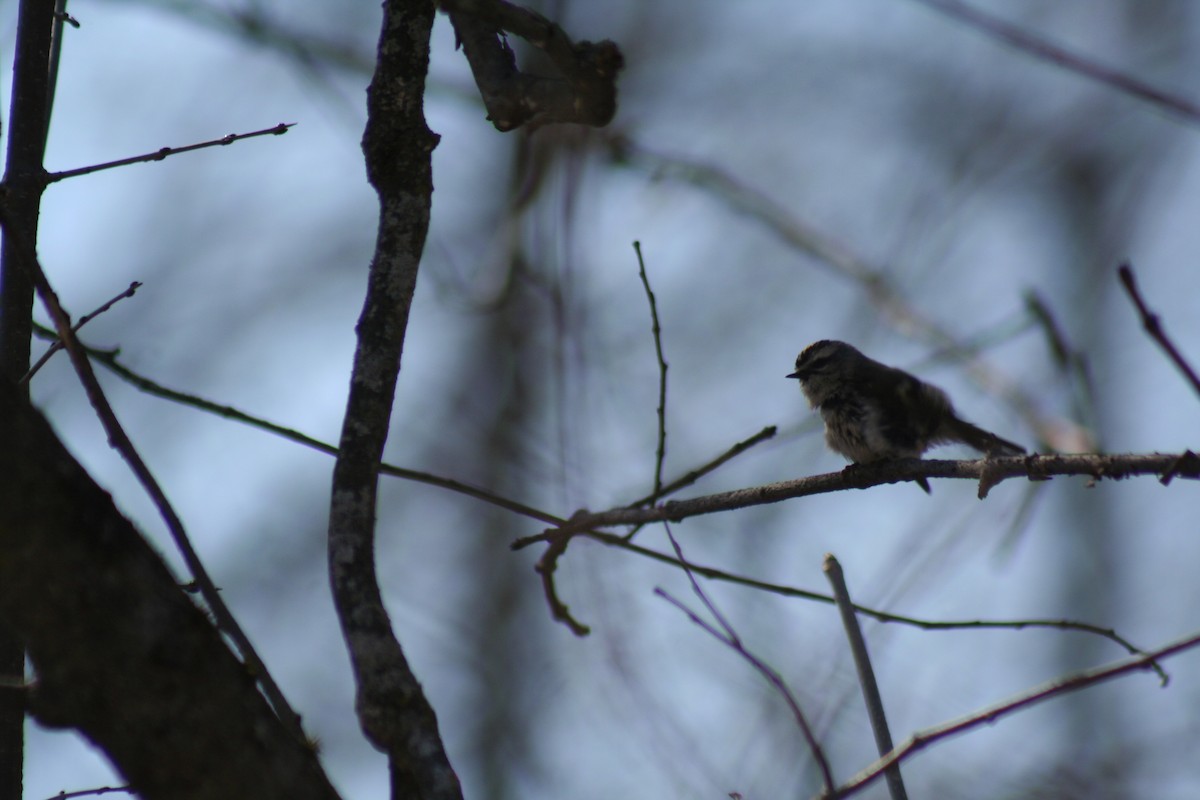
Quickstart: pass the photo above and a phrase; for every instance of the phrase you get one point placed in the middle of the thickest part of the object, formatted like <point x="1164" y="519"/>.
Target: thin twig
<point x="56" y="40"/>
<point x="699" y="472"/>
<point x="728" y="636"/>
<point x="661" y="453"/>
<point x="560" y="612"/>
<point x="1153" y="327"/>
<point x="108" y="359"/>
<point x="988" y="716"/>
<point x="122" y="443"/>
<point x="92" y="792"/>
<point x="84" y="320"/>
<point x="866" y="673"/>
<point x="1045" y="50"/>
<point x="160" y="154"/>
<point x="782" y="590"/>
<point x="1071" y="361"/>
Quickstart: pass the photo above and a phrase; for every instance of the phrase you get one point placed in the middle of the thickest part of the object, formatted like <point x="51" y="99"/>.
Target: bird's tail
<point x="981" y="440"/>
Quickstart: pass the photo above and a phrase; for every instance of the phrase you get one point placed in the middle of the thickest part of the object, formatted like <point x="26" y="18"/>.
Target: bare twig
<point x="866" y="673"/>
<point x="160" y="154"/>
<point x="585" y="92"/>
<point x="699" y="472"/>
<point x="546" y="567"/>
<point x="988" y="716"/>
<point x="1071" y="362"/>
<point x="883" y="616"/>
<point x="120" y="441"/>
<point x="1153" y="327"/>
<point x="92" y="792"/>
<point x="108" y="359"/>
<point x="84" y="320"/>
<point x="1045" y="50"/>
<point x="559" y="611"/>
<point x="656" y="329"/>
<point x="61" y="17"/>
<point x="728" y="636"/>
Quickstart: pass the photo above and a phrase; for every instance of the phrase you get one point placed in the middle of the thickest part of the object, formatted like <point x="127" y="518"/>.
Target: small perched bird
<point x="874" y="412"/>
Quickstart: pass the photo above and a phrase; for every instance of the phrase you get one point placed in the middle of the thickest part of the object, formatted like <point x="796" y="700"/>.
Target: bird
<point x="873" y="412"/>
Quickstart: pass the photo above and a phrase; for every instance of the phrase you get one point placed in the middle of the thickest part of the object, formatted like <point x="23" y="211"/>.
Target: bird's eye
<point x="818" y="363"/>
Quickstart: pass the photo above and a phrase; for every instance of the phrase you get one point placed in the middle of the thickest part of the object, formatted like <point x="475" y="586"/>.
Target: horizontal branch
<point x="988" y="472"/>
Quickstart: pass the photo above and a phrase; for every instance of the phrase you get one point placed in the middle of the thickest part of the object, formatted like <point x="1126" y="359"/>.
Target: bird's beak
<point x="796" y="375"/>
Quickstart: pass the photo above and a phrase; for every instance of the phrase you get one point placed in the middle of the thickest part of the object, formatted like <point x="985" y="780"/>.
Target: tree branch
<point x="863" y="476"/>
<point x="166" y="152"/>
<point x="866" y="673"/>
<point x="26" y="257"/>
<point x="690" y="477"/>
<point x="987" y="716"/>
<point x="57" y="344"/>
<point x="397" y="145"/>
<point x="656" y="330"/>
<point x="109" y="360"/>
<point x="729" y="637"/>
<point x="28" y="126"/>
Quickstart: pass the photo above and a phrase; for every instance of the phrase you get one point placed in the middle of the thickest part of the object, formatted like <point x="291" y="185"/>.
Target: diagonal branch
<point x="120" y="653"/>
<point x="123" y="445"/>
<point x="585" y="91"/>
<point x="866" y="673"/>
<point x="1154" y="327"/>
<point x="690" y="477"/>
<point x="84" y="320"/>
<point x="987" y="716"/>
<point x="729" y="637"/>
<point x="109" y="360"/>
<point x="1041" y="48"/>
<point x="165" y="152"/>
